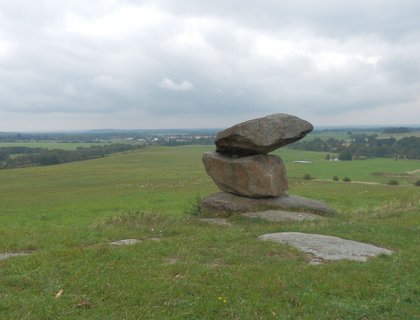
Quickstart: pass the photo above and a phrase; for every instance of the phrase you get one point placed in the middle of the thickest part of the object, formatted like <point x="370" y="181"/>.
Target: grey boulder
<point x="262" y="135"/>
<point x="257" y="176"/>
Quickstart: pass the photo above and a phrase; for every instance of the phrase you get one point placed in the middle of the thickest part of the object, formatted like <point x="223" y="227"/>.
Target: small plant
<point x="195" y="208"/>
<point x="393" y="183"/>
<point x="335" y="178"/>
<point x="417" y="183"/>
<point x="346" y="179"/>
<point x="307" y="176"/>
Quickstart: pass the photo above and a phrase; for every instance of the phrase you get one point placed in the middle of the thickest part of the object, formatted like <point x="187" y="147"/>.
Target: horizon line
<point x="319" y="127"/>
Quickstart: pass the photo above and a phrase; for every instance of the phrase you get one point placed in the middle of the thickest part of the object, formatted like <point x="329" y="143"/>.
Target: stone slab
<point x="126" y="242"/>
<point x="281" y="215"/>
<point x="6" y="255"/>
<point x="225" y="204"/>
<point x="262" y="135"/>
<point x="326" y="247"/>
<point x="257" y="176"/>
<point x="218" y="221"/>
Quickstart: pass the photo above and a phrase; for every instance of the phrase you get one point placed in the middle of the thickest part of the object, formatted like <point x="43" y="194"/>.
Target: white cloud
<point x="4" y="48"/>
<point x="167" y="83"/>
<point x="122" y="21"/>
<point x="111" y="84"/>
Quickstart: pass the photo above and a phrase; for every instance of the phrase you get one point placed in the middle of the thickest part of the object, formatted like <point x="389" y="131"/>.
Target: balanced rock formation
<point x="251" y="179"/>
<point x="262" y="135"/>
<point x="257" y="176"/>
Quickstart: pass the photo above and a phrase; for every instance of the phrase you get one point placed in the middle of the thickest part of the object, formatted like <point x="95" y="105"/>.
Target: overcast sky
<point x="78" y="64"/>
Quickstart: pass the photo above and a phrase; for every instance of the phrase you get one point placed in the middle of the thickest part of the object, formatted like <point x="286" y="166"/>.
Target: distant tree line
<point x="364" y="146"/>
<point x="107" y="135"/>
<point x="186" y="141"/>
<point x="17" y="157"/>
<point x="397" y="130"/>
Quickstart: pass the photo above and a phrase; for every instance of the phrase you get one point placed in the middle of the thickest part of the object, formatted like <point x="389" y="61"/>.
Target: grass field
<point x="379" y="170"/>
<point x="343" y="135"/>
<point x="67" y="214"/>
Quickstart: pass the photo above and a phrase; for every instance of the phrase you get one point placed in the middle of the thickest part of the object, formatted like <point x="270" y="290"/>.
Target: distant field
<point x="379" y="170"/>
<point x="67" y="214"/>
<point x="344" y="135"/>
<point x="50" y="145"/>
<point x="399" y="135"/>
<point x="339" y="135"/>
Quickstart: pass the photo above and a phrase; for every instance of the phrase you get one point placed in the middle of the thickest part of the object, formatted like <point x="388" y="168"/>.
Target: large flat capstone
<point x="223" y="204"/>
<point x="326" y="247"/>
<point x="257" y="176"/>
<point x="262" y="135"/>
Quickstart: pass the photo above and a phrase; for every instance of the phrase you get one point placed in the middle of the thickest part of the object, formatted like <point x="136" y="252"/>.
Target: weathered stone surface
<point x="224" y="204"/>
<point x="7" y="255"/>
<point x="257" y="176"/>
<point x="126" y="242"/>
<point x="281" y="215"/>
<point x="262" y="135"/>
<point x="326" y="247"/>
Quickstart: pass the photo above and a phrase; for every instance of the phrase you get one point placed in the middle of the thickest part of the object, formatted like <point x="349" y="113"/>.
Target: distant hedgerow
<point x="346" y="179"/>
<point x="417" y="183"/>
<point x="335" y="178"/>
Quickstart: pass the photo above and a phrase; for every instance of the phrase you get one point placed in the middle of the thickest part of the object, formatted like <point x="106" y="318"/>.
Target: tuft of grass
<point x="134" y="219"/>
<point x="195" y="206"/>
<point x="393" y="183"/>
<point x="392" y="208"/>
<point x="307" y="176"/>
<point x="346" y="179"/>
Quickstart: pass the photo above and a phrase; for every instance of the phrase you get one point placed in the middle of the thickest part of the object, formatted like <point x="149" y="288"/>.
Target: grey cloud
<point x="195" y="58"/>
<point x="387" y="17"/>
<point x="169" y="84"/>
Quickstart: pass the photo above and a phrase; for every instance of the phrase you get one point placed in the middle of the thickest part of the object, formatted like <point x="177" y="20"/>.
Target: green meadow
<point x="377" y="170"/>
<point x="346" y="134"/>
<point x="66" y="215"/>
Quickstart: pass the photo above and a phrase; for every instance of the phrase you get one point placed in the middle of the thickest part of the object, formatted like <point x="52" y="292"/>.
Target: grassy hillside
<point x="66" y="215"/>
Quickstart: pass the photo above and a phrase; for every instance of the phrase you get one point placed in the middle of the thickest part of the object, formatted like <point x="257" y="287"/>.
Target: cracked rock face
<point x="257" y="176"/>
<point x="262" y="135"/>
